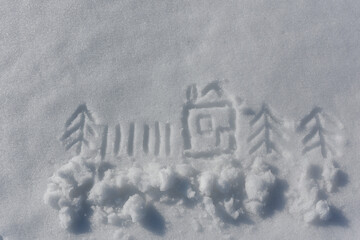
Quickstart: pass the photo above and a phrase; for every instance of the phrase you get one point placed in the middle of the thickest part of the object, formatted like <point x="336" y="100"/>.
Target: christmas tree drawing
<point x="265" y="130"/>
<point x="319" y="136"/>
<point x="78" y="128"/>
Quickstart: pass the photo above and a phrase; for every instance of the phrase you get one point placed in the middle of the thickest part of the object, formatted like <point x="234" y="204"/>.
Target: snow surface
<point x="179" y="119"/>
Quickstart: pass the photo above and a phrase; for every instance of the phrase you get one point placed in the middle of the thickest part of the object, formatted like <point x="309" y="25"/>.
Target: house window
<point x="204" y="124"/>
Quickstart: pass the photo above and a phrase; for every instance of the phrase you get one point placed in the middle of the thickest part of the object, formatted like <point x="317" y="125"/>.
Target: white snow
<point x="308" y="199"/>
<point x="135" y="208"/>
<point x="197" y="226"/>
<point x="331" y="175"/>
<point x="120" y="235"/>
<point x="179" y="119"/>
<point x="258" y="184"/>
<point x="231" y="209"/>
<point x="167" y="179"/>
<point x="206" y="183"/>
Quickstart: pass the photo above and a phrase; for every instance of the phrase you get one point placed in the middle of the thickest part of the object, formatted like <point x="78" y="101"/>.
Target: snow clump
<point x="258" y="185"/>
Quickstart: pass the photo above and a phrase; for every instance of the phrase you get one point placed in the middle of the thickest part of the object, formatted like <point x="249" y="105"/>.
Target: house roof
<point x="211" y="93"/>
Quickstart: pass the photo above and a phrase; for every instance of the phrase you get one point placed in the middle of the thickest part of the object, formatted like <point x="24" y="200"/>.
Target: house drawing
<point x="208" y="122"/>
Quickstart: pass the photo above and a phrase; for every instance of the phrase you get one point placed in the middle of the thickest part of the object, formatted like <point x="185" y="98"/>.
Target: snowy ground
<point x="179" y="119"/>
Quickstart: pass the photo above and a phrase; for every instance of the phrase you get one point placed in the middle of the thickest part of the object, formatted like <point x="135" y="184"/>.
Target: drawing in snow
<point x="208" y="122"/>
<point x="91" y="188"/>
